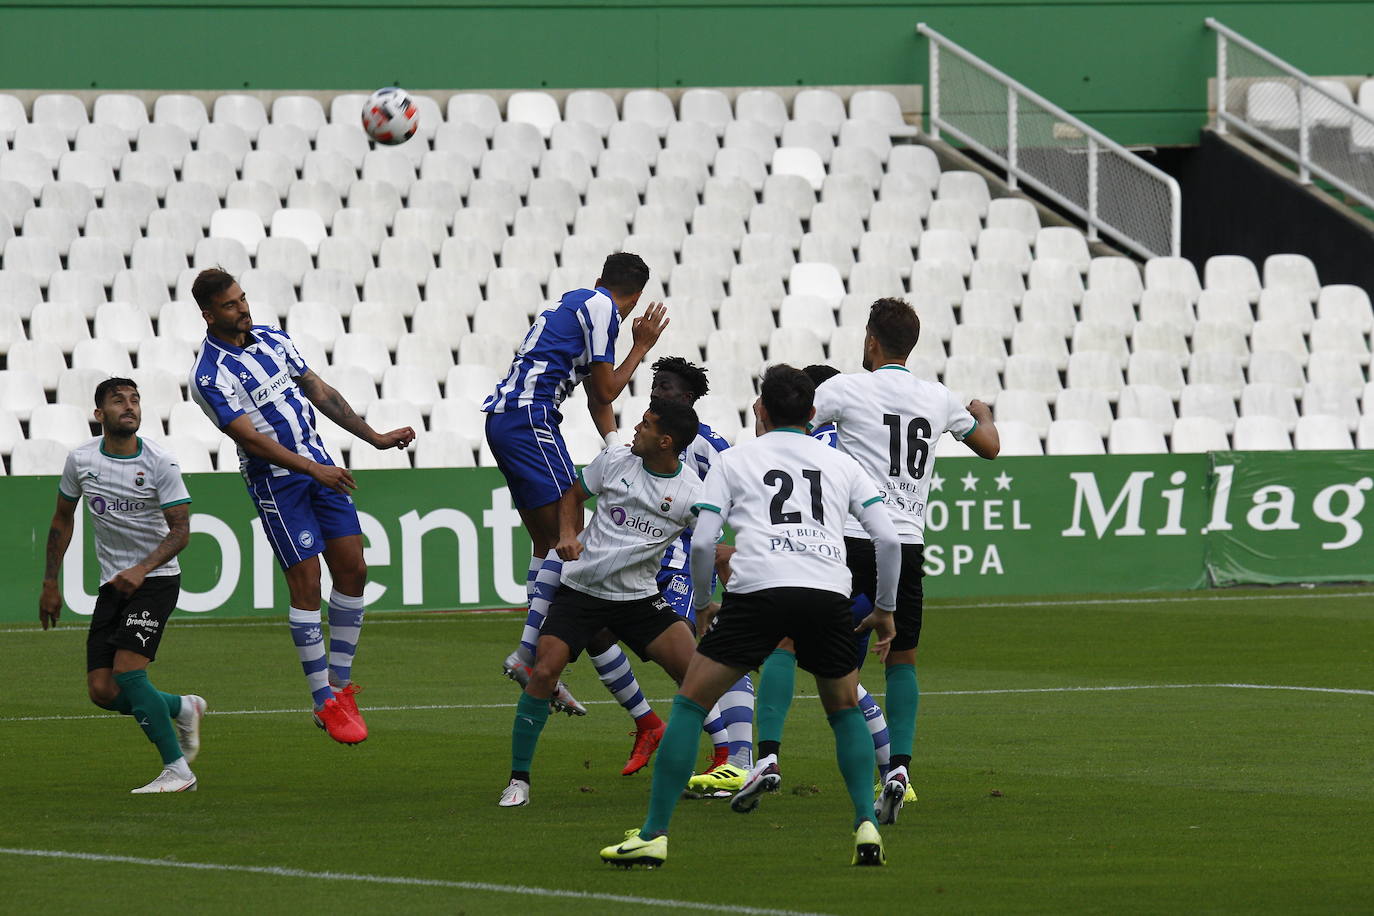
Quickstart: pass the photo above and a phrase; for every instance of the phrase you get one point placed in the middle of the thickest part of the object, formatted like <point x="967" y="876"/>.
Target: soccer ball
<point x="390" y="117"/>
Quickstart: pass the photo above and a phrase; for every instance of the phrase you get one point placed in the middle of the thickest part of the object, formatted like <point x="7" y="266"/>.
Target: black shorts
<point x="863" y="566"/>
<point x="750" y="626"/>
<point x="134" y="622"/>
<point x="576" y="617"/>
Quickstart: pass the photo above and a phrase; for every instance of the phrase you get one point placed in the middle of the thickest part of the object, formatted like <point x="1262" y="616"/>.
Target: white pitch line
<point x="518" y="889"/>
<point x="496" y="614"/>
<point x="1348" y="691"/>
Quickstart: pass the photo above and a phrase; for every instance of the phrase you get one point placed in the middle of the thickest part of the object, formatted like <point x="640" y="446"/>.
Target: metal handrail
<point x="1302" y="155"/>
<point x="1097" y="142"/>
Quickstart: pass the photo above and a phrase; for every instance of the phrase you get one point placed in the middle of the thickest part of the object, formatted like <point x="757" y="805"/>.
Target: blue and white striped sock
<point x="309" y="640"/>
<point x="714" y="726"/>
<point x="345" y="623"/>
<point x="737" y="712"/>
<point x="545" y="584"/>
<point x="877" y="728"/>
<point x="613" y="667"/>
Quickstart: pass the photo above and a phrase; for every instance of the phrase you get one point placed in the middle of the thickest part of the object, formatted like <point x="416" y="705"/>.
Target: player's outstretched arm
<point x="708" y="528"/>
<point x="569" y="547"/>
<point x="178" y="534"/>
<point x="984" y="439"/>
<point x="887" y="548"/>
<point x="59" y="536"/>
<point x="334" y="406"/>
<point x="605" y="383"/>
<point x="241" y="430"/>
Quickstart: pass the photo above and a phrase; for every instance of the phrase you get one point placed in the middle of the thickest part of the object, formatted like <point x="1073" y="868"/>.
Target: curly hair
<point x="692" y="375"/>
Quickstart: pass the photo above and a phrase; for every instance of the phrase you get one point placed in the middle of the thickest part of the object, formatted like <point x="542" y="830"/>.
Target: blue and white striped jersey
<point x="697" y="456"/>
<point x="558" y="351"/>
<point x="828" y="434"/>
<point x="258" y="381"/>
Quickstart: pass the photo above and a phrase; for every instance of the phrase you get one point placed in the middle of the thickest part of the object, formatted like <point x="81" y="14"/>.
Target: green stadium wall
<point x="1137" y="70"/>
<point x="450" y="539"/>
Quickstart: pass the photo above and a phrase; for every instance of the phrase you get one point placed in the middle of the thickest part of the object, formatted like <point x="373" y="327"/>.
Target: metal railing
<point x="1112" y="190"/>
<point x="1312" y="122"/>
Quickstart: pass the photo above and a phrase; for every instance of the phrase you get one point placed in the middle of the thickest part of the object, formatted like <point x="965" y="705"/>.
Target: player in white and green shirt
<point x="138" y="505"/>
<point x="786" y="496"/>
<point x="645" y="498"/>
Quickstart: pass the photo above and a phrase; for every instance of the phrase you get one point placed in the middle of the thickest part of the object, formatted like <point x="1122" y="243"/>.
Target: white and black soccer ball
<point x="390" y="116"/>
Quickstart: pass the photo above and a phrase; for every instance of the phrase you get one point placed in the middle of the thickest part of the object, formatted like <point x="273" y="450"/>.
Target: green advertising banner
<point x="1289" y="517"/>
<point x="450" y="539"/>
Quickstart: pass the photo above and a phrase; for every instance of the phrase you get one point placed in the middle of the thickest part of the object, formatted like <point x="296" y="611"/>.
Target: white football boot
<point x="187" y="723"/>
<point x="517" y="794"/>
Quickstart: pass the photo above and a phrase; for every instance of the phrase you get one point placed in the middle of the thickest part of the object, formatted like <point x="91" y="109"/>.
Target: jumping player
<point x="644" y="501"/>
<point x="787" y="497"/>
<point x="253" y="384"/>
<point x="570" y="343"/>
<point x="138" y="505"/>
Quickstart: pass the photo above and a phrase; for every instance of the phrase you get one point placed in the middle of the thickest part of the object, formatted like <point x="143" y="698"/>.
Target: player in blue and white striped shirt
<point x="252" y="383"/>
<point x="570" y="343"/>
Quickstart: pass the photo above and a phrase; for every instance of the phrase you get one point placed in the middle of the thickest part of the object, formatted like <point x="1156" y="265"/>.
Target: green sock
<point x="903" y="696"/>
<point x="777" y="683"/>
<point x="854" y="751"/>
<point x="150" y="712"/>
<point x="672" y="769"/>
<point x="530" y="716"/>
<point x="120" y="704"/>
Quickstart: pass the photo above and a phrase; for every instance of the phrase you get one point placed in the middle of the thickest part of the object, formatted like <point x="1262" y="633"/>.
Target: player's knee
<point x="102" y="695"/>
<point x="543" y="679"/>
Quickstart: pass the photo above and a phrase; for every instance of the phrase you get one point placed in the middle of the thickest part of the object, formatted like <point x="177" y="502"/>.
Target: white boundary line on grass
<point x="501" y="613"/>
<point x="1348" y="691"/>
<point x="518" y="889"/>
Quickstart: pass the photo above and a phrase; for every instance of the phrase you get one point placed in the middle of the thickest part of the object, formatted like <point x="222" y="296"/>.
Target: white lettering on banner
<point x="1354" y="505"/>
<point x="1221" y="499"/>
<point x="73" y="570"/>
<point x="414" y="527"/>
<point x="229" y="565"/>
<point x="1087" y="494"/>
<point x="952" y="558"/>
<point x="1173" y="517"/>
<point x="502" y="520"/>
<point x="1273" y="509"/>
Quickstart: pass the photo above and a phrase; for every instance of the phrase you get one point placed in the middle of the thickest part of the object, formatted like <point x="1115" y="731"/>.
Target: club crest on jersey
<point x="138" y="478"/>
<point x="305" y="539"/>
<point x="666" y="505"/>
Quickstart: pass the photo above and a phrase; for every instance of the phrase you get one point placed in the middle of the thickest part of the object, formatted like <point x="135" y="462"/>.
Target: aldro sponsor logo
<point x="100" y="505"/>
<point x="643" y="525"/>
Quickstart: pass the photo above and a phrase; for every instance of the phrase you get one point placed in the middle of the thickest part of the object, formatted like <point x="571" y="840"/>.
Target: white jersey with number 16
<point x="787" y="497"/>
<point x="889" y="421"/>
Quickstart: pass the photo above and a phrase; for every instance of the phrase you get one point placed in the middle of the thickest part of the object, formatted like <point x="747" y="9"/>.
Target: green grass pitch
<point x="1041" y="791"/>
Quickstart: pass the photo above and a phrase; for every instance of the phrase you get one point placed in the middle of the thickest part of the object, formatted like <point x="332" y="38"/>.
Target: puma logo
<point x="142" y="639"/>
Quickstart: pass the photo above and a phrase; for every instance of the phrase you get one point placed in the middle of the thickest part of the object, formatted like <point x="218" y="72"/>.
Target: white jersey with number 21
<point x="889" y="421"/>
<point x="787" y="497"/>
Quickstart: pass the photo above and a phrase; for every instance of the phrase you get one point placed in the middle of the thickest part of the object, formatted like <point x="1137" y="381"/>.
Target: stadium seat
<point x="592" y="107"/>
<point x="1086" y="404"/>
<point x="284" y="256"/>
<point x="127" y="113"/>
<point x="242" y="226"/>
<point x="1195" y="435"/>
<point x="1096" y="370"/>
<point x="1004" y="245"/>
<point x="1331" y="400"/>
<point x="1038" y="339"/>
<point x="302" y="111"/>
<point x="1261" y="433"/>
<point x="1135" y="436"/>
<point x="65" y="423"/>
<point x="1162" y="337"/>
<point x="364" y="351"/>
<point x="971" y="377"/>
<point x="1168" y="306"/>
<point x="649" y="106"/>
<point x="1210" y="367"/>
<point x="1336" y="368"/>
<point x="1007" y="212"/>
<point x="181" y="322"/>
<point x="443" y="449"/>
<point x="123" y="323"/>
<point x="10" y="432"/>
<point x="1271" y="105"/>
<point x="21" y="387"/>
<point x="411" y="384"/>
<point x="1346" y="303"/>
<point x="166" y="353"/>
<point x="320" y="319"/>
<point x="1286" y="306"/>
<point x="1063" y="243"/>
<point x="803" y="162"/>
<point x="243" y="111"/>
<point x="1235" y="273"/>
<point x="1292" y="271"/>
<point x="1225" y="306"/>
<point x="1173" y="273"/>
<point x="61" y="323"/>
<point x="57" y="226"/>
<point x="1050" y="309"/>
<point x="707" y="106"/>
<point x="1073" y="437"/>
<point x="1028" y="408"/>
<point x="325" y="285"/>
<point x="1210" y="402"/>
<point x="319" y="197"/>
<point x="32" y="171"/>
<point x="1260" y="399"/>
<point x="38" y="456"/>
<point x="1051" y="273"/>
<point x="1116" y="274"/>
<point x="12" y="115"/>
<point x="979" y="342"/>
<point x="1322" y="432"/>
<point x="159" y="387"/>
<point x="48" y="141"/>
<point x="1090" y="336"/>
<point x="1273" y="334"/>
<point x="121" y="228"/>
<point x="1336" y="335"/>
<point x="694" y="136"/>
<point x="348" y="144"/>
<point x="809" y="134"/>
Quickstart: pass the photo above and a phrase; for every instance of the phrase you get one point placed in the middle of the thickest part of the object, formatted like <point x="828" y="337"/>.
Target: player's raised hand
<point x="647" y="327"/>
<point x="981" y="412"/>
<point x="49" y="604"/>
<point x="568" y="547"/>
<point x="397" y="438"/>
<point x="334" y="477"/>
<point x="883" y="626"/>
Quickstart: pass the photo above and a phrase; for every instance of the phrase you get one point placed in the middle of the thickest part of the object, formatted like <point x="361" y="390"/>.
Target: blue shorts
<point x="300" y="514"/>
<point x="676" y="587"/>
<point x="530" y="452"/>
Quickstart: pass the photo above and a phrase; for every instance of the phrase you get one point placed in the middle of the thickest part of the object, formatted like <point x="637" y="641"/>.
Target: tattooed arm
<point x="59" y="536"/>
<point x="178" y="533"/>
<point x="332" y="404"/>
